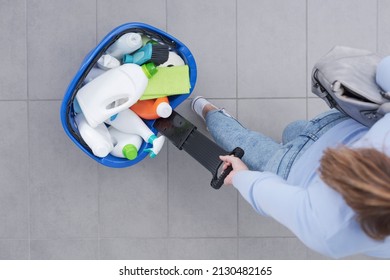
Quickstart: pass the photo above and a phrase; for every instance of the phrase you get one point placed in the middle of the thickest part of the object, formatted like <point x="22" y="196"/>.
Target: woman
<point x="328" y="181"/>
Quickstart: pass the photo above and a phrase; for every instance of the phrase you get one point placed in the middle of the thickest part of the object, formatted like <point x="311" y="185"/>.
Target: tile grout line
<point x="377" y="26"/>
<point x="306" y="70"/>
<point x="166" y="16"/>
<point x="151" y="238"/>
<point x="189" y="98"/>
<point x="307" y="60"/>
<point x="237" y="88"/>
<point x="237" y="196"/>
<point x="96" y="21"/>
<point x="28" y="138"/>
<point x="168" y="233"/>
<point x="97" y="167"/>
<point x="98" y="210"/>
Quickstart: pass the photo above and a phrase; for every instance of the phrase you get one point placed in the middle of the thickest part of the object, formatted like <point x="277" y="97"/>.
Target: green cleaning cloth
<point x="168" y="81"/>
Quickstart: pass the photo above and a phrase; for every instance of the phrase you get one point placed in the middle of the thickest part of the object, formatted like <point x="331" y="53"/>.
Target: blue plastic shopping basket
<point x="67" y="113"/>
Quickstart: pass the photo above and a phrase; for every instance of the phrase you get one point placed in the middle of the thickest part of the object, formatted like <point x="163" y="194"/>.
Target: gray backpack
<point x="345" y="79"/>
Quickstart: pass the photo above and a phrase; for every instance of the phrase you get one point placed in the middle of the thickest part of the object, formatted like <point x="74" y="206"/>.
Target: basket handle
<point x="217" y="182"/>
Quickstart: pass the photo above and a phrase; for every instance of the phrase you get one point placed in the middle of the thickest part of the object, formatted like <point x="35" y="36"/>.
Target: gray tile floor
<point x="254" y="58"/>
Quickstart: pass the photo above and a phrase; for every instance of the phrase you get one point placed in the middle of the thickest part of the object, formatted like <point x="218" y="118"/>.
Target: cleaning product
<point x="157" y="146"/>
<point x="107" y="62"/>
<point x="125" y="145"/>
<point x="129" y="122"/>
<point x="114" y="91"/>
<point x="76" y="107"/>
<point x="155" y="53"/>
<point x="98" y="138"/>
<point x="168" y="81"/>
<point x="152" y="108"/>
<point x="94" y="73"/>
<point x="383" y="74"/>
<point x="127" y="43"/>
<point x="145" y="39"/>
<point x="173" y="60"/>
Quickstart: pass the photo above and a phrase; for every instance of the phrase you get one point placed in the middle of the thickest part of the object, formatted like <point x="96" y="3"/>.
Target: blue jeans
<point x="262" y="153"/>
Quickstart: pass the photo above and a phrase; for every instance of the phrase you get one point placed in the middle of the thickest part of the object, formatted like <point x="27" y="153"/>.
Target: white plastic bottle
<point x="151" y="109"/>
<point x="128" y="122"/>
<point x="127" y="43"/>
<point x="125" y="145"/>
<point x="173" y="60"/>
<point x="98" y="139"/>
<point x="114" y="91"/>
<point x="107" y="62"/>
<point x="93" y="74"/>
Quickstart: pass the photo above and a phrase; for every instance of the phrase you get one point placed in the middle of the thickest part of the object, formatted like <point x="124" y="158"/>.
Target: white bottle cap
<point x="164" y="110"/>
<point x="101" y="150"/>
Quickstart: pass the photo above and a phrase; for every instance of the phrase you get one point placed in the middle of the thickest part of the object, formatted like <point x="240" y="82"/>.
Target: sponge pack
<point x="168" y="81"/>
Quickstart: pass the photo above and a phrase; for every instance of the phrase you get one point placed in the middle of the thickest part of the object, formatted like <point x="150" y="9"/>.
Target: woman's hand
<point x="235" y="163"/>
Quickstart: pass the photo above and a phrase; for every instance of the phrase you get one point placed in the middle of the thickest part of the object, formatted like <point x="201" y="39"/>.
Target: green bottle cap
<point x="149" y="69"/>
<point x="153" y="42"/>
<point x="130" y="151"/>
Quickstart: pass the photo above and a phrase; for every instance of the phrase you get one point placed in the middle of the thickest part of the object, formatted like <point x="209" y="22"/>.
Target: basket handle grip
<point x="217" y="182"/>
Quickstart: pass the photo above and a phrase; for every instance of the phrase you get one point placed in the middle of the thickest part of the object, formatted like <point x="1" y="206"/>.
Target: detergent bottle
<point x="127" y="43"/>
<point x="129" y="122"/>
<point x="125" y="145"/>
<point x="151" y="109"/>
<point x="113" y="91"/>
<point x="98" y="139"/>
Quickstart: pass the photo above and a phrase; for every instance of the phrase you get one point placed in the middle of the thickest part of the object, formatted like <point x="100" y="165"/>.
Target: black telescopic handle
<point x="217" y="182"/>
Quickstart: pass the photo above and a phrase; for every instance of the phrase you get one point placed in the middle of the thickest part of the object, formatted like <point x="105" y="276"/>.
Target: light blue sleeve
<point x="326" y="226"/>
<point x="272" y="196"/>
<point x="378" y="137"/>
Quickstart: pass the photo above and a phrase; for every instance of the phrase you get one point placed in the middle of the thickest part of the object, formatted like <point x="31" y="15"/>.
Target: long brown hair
<point x="362" y="177"/>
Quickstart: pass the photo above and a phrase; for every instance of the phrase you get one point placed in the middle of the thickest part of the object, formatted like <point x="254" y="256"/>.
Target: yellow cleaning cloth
<point x="168" y="81"/>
